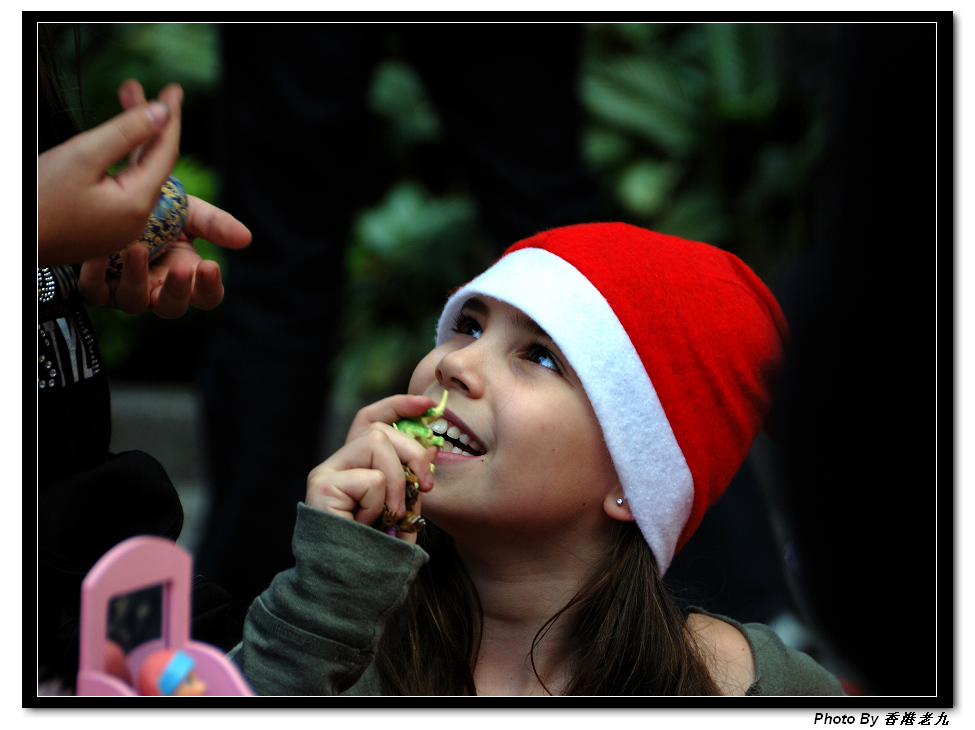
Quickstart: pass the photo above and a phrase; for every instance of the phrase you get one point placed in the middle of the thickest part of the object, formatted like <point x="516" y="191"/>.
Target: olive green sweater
<point x="314" y="630"/>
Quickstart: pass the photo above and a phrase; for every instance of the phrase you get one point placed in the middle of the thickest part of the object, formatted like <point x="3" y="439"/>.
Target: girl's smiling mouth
<point x="457" y="438"/>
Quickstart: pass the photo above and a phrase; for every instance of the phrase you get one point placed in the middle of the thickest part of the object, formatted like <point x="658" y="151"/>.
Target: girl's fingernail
<point x="158" y="112"/>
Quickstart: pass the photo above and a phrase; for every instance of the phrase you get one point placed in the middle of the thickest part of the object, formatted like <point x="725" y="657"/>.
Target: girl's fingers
<point x="368" y="471"/>
<point x="356" y="494"/>
<point x="409" y="452"/>
<point x="386" y="456"/>
<point x="426" y="475"/>
<point x="389" y="410"/>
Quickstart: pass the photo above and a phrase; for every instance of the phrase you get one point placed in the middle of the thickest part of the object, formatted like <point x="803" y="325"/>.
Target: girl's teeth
<point x="444" y="428"/>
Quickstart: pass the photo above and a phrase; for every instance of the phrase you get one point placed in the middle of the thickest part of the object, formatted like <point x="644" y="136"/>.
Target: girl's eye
<point x="467" y="325"/>
<point x="542" y="356"/>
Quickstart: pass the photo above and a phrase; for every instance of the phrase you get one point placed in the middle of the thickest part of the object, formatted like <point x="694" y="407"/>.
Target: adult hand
<point x="176" y="279"/>
<point x="179" y="277"/>
<point x="82" y="212"/>
<point x="367" y="471"/>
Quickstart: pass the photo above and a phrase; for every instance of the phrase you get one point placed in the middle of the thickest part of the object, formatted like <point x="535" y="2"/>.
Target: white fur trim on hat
<point x="655" y="477"/>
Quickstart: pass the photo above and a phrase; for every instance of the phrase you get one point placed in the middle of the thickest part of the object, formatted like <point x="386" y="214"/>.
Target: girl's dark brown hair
<point x="626" y="637"/>
<point x="55" y="121"/>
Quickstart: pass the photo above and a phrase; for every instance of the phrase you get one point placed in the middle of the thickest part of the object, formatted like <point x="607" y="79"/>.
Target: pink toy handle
<point x="134" y="565"/>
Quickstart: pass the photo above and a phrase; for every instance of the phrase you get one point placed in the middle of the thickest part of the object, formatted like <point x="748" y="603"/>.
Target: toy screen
<point x="135" y="618"/>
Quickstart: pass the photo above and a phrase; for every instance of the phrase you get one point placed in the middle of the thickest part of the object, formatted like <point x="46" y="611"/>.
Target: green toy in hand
<point x="419" y="429"/>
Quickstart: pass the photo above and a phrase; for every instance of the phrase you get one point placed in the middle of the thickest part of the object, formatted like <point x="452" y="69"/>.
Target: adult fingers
<point x="171" y="298"/>
<point x="132" y="294"/>
<point x="158" y="156"/>
<point x="91" y="282"/>
<point x="131" y="94"/>
<point x="111" y="141"/>
<point x="207" y="285"/>
<point x="212" y="224"/>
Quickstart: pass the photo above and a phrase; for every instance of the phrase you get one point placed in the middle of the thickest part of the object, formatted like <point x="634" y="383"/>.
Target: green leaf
<point x="744" y="79"/>
<point x="398" y="94"/>
<point x="407" y="215"/>
<point x="604" y="147"/>
<point x="645" y="186"/>
<point x="699" y="216"/>
<point x="645" y="97"/>
<point x="197" y="178"/>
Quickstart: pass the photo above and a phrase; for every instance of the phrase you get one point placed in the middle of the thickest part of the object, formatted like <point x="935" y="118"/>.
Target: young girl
<point x="605" y="384"/>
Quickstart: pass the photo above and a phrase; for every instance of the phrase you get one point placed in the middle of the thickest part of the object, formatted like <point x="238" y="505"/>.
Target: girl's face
<point x="531" y="459"/>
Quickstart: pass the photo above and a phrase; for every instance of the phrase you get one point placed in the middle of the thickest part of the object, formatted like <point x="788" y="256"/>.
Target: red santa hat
<point x="676" y="343"/>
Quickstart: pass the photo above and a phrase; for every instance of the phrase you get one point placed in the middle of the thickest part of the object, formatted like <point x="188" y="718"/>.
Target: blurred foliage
<point x="697" y="133"/>
<point x="154" y="53"/>
<point x="405" y="253"/>
<point x="694" y="129"/>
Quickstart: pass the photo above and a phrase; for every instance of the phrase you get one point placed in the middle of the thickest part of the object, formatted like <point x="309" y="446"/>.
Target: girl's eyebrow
<point x="475" y="305"/>
<point x="520" y="319"/>
<point x="517" y="317"/>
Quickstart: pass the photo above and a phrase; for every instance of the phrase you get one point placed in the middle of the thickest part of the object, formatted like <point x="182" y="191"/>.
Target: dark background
<point x="813" y="151"/>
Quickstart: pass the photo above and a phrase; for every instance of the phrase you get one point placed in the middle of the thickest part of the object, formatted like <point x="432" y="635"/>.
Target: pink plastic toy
<point x="169" y="673"/>
<point x="134" y="565"/>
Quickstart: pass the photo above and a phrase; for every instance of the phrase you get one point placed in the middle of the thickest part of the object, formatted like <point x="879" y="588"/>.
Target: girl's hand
<point x="367" y="471"/>
<point x="83" y="212"/>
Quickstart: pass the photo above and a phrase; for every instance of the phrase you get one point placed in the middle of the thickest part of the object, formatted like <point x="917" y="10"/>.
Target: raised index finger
<point x="389" y="410"/>
<point x="112" y="140"/>
<point x="207" y="221"/>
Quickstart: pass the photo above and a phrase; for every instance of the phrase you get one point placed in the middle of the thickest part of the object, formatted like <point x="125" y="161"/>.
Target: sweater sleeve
<point x="779" y="669"/>
<point x="314" y="630"/>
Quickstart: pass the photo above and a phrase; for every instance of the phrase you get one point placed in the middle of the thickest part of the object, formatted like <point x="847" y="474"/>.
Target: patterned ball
<point x="165" y="224"/>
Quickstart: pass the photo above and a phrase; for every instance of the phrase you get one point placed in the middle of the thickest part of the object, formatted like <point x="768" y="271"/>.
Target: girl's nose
<point x="462" y="370"/>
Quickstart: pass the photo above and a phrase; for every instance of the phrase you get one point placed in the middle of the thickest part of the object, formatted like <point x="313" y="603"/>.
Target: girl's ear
<point x="616" y="506"/>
